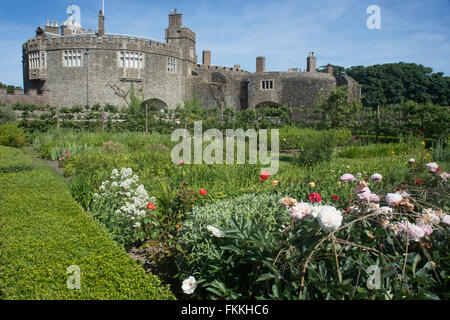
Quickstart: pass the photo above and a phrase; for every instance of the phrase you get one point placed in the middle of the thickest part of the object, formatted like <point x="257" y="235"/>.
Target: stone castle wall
<point x="100" y="74"/>
<point x="69" y="84"/>
<point x="30" y="97"/>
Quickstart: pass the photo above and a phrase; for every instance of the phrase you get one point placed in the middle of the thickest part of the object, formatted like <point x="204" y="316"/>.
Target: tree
<point x="337" y="109"/>
<point x="396" y="83"/>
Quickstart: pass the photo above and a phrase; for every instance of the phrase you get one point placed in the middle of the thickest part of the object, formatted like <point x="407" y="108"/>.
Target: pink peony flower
<point x="427" y="229"/>
<point x="446" y="219"/>
<point x="393" y="199"/>
<point x="376" y="177"/>
<point x="413" y="231"/>
<point x="348" y="177"/>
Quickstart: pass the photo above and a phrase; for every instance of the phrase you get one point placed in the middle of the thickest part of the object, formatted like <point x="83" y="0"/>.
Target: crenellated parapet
<point x="30" y="97"/>
<point x="107" y="42"/>
<point x="201" y="67"/>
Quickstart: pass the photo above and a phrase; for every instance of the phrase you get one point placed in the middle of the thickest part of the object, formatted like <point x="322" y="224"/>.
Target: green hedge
<point x="43" y="231"/>
<point x="12" y="160"/>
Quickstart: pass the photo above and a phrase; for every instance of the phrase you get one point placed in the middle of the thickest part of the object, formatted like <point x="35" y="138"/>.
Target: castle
<point x="71" y="66"/>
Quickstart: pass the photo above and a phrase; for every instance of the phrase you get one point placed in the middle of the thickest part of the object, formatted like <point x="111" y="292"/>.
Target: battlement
<point x="202" y="67"/>
<point x="108" y="41"/>
<point x="30" y="97"/>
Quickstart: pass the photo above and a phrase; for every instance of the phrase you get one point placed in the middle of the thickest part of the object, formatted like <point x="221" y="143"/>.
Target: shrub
<point x="312" y="146"/>
<point x="12" y="136"/>
<point x="7" y="114"/>
<point x="43" y="231"/>
<point x="123" y="207"/>
<point x="12" y="160"/>
<point x="261" y="209"/>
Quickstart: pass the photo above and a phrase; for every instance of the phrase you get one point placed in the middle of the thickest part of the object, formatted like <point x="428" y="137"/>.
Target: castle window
<point x="132" y="60"/>
<point x="267" y="85"/>
<point x="35" y="62"/>
<point x="72" y="58"/>
<point x="171" y="65"/>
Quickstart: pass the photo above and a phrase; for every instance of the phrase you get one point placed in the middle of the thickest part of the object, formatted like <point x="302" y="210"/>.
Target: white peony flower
<point x="411" y="161"/>
<point x="189" y="285"/>
<point x="301" y="210"/>
<point x="215" y="232"/>
<point x="376" y="177"/>
<point x="329" y="218"/>
<point x="393" y="199"/>
<point x="433" y="167"/>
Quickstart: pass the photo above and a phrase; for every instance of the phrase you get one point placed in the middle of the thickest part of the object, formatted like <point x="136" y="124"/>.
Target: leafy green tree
<point x="395" y="83"/>
<point x="336" y="109"/>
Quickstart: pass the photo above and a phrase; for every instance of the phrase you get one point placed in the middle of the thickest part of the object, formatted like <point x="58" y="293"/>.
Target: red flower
<point x="151" y="206"/>
<point x="403" y="188"/>
<point x="419" y="181"/>
<point x="203" y="192"/>
<point x="264" y="175"/>
<point x="437" y="170"/>
<point x="336" y="198"/>
<point x="315" y="197"/>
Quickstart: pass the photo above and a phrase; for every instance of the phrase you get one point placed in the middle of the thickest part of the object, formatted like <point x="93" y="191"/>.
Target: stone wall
<point x="69" y="84"/>
<point x="208" y="79"/>
<point x="30" y="97"/>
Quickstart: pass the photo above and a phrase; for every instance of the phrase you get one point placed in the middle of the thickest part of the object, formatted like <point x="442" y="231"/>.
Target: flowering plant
<point x="123" y="206"/>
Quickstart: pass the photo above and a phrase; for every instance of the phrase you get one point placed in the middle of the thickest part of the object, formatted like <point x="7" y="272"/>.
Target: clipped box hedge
<point x="12" y="160"/>
<point x="43" y="231"/>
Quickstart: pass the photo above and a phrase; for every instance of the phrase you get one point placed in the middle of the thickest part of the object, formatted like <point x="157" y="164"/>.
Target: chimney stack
<point x="311" y="63"/>
<point x="101" y="24"/>
<point x="260" y="64"/>
<point x="206" y="58"/>
<point x="175" y="19"/>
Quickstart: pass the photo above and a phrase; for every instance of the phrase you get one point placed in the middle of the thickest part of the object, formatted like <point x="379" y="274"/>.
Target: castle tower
<point x="101" y="24"/>
<point x="311" y="62"/>
<point x="182" y="37"/>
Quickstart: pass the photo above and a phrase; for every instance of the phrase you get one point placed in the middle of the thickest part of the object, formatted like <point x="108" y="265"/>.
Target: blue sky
<point x="236" y="31"/>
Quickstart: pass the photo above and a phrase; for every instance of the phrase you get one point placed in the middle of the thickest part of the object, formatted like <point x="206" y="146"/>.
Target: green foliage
<point x="12" y="136"/>
<point x="7" y="114"/>
<point x="375" y="150"/>
<point x="12" y="160"/>
<point x="261" y="209"/>
<point x="258" y="259"/>
<point x="10" y="88"/>
<point x="336" y="110"/>
<point x="396" y="120"/>
<point x="312" y="146"/>
<point x="395" y="83"/>
<point x="43" y="231"/>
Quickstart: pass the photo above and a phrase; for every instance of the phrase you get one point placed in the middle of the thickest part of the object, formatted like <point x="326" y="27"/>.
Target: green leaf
<point x="265" y="277"/>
